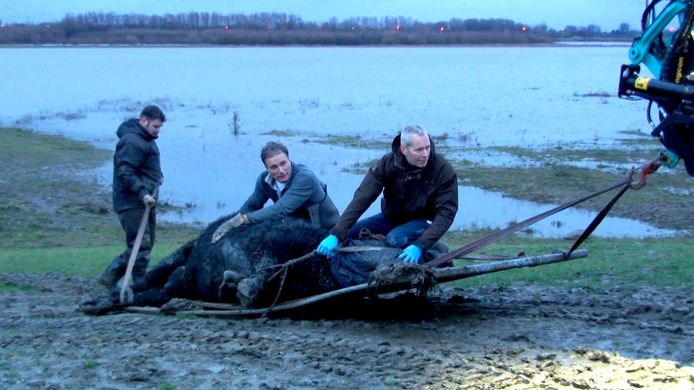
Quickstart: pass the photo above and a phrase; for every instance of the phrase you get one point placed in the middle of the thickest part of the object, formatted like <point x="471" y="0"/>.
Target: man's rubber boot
<point x="112" y="274"/>
<point x="438" y="249"/>
<point x="439" y="246"/>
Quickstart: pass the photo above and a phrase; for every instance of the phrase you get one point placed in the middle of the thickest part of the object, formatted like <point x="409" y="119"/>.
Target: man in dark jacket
<point x="420" y="198"/>
<point x="137" y="176"/>
<point x="294" y="189"/>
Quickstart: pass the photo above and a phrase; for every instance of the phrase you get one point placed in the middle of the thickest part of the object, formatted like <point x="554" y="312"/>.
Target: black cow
<point x="242" y="267"/>
<point x="237" y="268"/>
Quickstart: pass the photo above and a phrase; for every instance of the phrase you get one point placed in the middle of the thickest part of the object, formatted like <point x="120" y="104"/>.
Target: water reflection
<point x="488" y="209"/>
<point x="215" y="178"/>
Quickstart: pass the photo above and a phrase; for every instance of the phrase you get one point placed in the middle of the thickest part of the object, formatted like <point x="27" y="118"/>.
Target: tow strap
<point x="487" y="240"/>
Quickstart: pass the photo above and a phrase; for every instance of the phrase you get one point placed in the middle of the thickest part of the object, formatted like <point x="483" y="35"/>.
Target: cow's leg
<point x="160" y="275"/>
<point x="250" y="289"/>
<point x="175" y="287"/>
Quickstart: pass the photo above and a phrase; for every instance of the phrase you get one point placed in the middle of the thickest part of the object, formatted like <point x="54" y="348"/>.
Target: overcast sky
<point x="607" y="14"/>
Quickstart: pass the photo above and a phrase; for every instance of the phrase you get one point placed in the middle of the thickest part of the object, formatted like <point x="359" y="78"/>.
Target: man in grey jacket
<point x="294" y="189"/>
<point x="137" y="176"/>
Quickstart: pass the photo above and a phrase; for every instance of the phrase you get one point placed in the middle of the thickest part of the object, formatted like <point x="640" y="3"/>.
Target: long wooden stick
<point x="133" y="254"/>
<point x="442" y="275"/>
<point x="467" y="271"/>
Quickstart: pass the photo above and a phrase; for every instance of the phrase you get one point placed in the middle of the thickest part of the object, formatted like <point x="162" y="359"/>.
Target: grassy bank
<point x="552" y="177"/>
<point x="666" y="262"/>
<point x="54" y="217"/>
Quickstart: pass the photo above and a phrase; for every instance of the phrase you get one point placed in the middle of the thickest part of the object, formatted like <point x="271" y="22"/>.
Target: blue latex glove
<point x="328" y="247"/>
<point x="411" y="254"/>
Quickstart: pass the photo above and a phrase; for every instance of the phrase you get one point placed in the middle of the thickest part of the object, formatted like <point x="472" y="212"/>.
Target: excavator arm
<point x="666" y="48"/>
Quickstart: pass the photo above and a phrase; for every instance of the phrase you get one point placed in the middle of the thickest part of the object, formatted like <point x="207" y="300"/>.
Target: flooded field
<point x="318" y="99"/>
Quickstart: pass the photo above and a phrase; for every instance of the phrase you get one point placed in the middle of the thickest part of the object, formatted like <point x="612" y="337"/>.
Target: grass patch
<point x="282" y="133"/>
<point x="353" y="141"/>
<point x="637" y="133"/>
<point x="166" y="386"/>
<point x="36" y="151"/>
<point x="359" y="168"/>
<point x="660" y="203"/>
<point x="601" y="94"/>
<point x="49" y="195"/>
<point x="87" y="261"/>
<point x="562" y="155"/>
<point x="52" y="203"/>
<point x="8" y="287"/>
<point x="665" y="262"/>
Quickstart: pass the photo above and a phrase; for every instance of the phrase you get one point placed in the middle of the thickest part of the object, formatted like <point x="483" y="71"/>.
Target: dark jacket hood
<point x="132" y="126"/>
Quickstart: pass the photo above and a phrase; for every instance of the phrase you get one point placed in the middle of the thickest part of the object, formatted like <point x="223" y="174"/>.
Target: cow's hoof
<point x="98" y="306"/>
<point x="248" y="291"/>
<point x="176" y="305"/>
<point x="232" y="277"/>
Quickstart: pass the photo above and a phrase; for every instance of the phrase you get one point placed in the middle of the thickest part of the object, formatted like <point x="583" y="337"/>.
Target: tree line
<point x="204" y="28"/>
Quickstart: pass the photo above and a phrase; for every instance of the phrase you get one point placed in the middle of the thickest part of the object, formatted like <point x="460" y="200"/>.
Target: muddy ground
<point x="458" y="338"/>
<point x="522" y="337"/>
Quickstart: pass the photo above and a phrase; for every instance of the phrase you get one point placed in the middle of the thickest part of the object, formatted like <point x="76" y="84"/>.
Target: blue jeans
<point x="396" y="236"/>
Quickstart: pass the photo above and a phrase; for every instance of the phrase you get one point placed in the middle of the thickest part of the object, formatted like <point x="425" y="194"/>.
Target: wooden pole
<point x="133" y="254"/>
<point x="442" y="275"/>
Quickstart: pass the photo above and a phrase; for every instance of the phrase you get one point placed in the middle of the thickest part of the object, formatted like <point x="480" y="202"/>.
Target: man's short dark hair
<point x="272" y="148"/>
<point x="153" y="112"/>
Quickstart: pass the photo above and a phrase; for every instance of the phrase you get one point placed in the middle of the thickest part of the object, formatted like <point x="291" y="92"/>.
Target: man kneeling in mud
<point x="295" y="191"/>
<point x="418" y="186"/>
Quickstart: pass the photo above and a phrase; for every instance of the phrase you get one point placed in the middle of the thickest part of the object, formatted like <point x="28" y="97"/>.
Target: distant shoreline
<point x="567" y="44"/>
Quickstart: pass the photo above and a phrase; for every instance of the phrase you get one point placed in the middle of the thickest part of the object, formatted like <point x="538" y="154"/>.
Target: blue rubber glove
<point x="328" y="247"/>
<point x="411" y="254"/>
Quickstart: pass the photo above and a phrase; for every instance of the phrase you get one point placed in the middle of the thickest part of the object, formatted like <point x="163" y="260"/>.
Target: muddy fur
<point x="409" y="275"/>
<point x="248" y="251"/>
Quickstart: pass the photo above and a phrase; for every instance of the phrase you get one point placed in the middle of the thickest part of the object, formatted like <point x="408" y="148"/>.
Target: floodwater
<point x="530" y="97"/>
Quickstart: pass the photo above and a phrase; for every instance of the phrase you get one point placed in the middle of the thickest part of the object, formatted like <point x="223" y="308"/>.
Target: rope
<point x="349" y="249"/>
<point x="598" y="218"/>
<point x="284" y="268"/>
<point x="487" y="240"/>
<point x="279" y="290"/>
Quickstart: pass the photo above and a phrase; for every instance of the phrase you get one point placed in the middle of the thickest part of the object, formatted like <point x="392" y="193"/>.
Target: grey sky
<point x="607" y="14"/>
